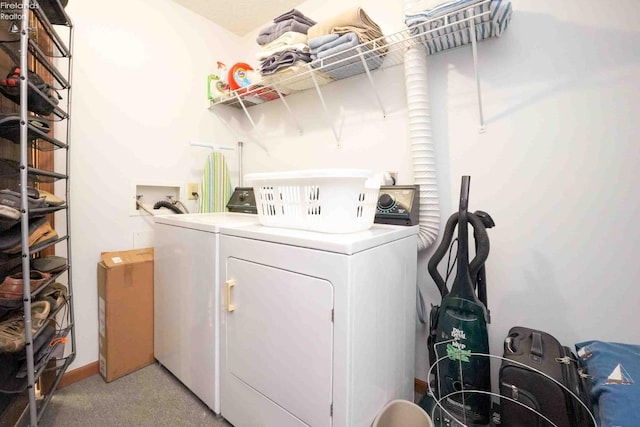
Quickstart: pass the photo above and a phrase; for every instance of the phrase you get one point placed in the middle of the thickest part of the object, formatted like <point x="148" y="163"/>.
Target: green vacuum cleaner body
<point x="459" y="342"/>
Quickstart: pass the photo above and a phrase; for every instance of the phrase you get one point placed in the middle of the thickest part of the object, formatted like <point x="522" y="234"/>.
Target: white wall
<point x="139" y="97"/>
<point x="353" y="111"/>
<point x="555" y="167"/>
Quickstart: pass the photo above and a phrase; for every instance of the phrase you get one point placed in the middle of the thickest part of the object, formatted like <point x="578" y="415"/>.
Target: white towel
<point x="265" y="53"/>
<point x="296" y="77"/>
<point x="288" y="38"/>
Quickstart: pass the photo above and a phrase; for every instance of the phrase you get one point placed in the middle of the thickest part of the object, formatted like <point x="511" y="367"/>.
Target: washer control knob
<point x="385" y="201"/>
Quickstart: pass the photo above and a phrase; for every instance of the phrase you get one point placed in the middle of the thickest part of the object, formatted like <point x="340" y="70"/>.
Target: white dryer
<point x="316" y="329"/>
<point x="186" y="298"/>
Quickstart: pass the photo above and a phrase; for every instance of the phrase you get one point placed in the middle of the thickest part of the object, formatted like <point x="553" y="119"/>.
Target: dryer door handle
<point x="230" y="284"/>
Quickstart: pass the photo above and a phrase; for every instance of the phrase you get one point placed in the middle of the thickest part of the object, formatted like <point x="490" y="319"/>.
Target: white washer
<point x="186" y="292"/>
<point x="316" y="329"/>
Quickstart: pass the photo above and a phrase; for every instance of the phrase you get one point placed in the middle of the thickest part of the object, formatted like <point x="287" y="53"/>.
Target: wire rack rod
<point x="383" y="52"/>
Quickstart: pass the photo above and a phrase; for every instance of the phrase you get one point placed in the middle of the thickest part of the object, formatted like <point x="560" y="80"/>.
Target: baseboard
<point x="420" y="386"/>
<point x="79" y="374"/>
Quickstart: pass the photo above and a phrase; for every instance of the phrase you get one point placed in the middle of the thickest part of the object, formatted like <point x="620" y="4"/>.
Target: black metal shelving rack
<point x="31" y="402"/>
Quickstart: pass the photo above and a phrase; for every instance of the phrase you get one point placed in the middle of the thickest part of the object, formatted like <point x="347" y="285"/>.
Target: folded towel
<point x="316" y="42"/>
<point x="342" y="60"/>
<point x="299" y="19"/>
<point x="265" y="53"/>
<point x="456" y="21"/>
<point x="338" y="44"/>
<point x="458" y="35"/>
<point x="288" y="38"/>
<point x="216" y="184"/>
<point x="283" y="59"/>
<point x="275" y="30"/>
<point x="435" y="8"/>
<point x="295" y="77"/>
<point x="352" y="20"/>
<point x="295" y="14"/>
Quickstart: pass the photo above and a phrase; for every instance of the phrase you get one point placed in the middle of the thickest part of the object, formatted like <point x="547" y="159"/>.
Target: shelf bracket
<point x="293" y="117"/>
<point x="246" y="112"/>
<point x="324" y="105"/>
<point x="474" y="49"/>
<point x="373" y="86"/>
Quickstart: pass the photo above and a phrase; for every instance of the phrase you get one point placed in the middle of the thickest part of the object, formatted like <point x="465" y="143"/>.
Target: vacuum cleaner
<point x="458" y="327"/>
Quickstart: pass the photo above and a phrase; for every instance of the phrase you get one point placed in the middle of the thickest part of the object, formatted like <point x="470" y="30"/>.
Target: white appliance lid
<point x="348" y="243"/>
<point x="210" y="222"/>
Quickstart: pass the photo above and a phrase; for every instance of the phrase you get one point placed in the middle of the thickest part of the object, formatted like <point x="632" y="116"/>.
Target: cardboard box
<point x="125" y="307"/>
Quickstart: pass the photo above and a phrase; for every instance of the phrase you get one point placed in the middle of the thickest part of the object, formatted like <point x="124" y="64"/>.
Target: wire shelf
<point x="465" y="25"/>
<point x="387" y="50"/>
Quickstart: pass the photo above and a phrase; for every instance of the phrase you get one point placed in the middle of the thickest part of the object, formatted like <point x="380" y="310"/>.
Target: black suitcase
<point x="526" y="348"/>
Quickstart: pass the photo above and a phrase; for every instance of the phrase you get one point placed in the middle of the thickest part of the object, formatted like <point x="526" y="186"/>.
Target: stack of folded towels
<point x="335" y="44"/>
<point x="437" y="33"/>
<point x="284" y="54"/>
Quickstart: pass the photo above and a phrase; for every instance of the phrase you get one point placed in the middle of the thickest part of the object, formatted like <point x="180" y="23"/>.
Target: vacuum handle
<point x="464" y="193"/>
<point x="482" y="250"/>
<point x="439" y="254"/>
<point x="462" y="286"/>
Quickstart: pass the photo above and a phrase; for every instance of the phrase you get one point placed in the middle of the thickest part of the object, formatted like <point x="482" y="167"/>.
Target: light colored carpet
<point x="149" y="397"/>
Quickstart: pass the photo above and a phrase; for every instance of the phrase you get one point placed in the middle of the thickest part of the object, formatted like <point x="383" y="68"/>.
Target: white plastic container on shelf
<point x="324" y="200"/>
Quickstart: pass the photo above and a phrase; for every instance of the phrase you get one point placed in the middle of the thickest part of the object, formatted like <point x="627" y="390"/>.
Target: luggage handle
<point x="536" y="344"/>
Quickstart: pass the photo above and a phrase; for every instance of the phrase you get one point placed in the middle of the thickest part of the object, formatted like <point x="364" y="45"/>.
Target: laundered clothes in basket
<point x="446" y="25"/>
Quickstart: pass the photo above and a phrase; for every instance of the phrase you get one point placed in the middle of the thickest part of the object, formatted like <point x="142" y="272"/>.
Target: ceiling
<point x="240" y="16"/>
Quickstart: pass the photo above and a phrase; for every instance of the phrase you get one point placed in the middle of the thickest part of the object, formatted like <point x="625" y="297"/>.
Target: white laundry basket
<point x="402" y="413"/>
<point x="325" y="200"/>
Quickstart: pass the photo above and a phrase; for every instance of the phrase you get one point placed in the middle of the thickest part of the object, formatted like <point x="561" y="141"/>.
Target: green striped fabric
<point x="216" y="184"/>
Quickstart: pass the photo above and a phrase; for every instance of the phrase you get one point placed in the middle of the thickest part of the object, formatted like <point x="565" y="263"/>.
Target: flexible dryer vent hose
<point x="421" y="141"/>
<point x="168" y="205"/>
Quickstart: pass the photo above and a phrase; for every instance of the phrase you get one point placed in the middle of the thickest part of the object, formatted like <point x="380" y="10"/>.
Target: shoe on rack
<point x="12" y="199"/>
<point x="9" y="213"/>
<point x="41" y="98"/>
<point x="12" y="286"/>
<point x="9" y="217"/>
<point x="55" y="293"/>
<point x="39" y="313"/>
<point x="50" y="198"/>
<point x="10" y="205"/>
<point x="49" y="263"/>
<point x="9" y="307"/>
<point x="40" y="232"/>
<point x="10" y="127"/>
<point x="12" y="338"/>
